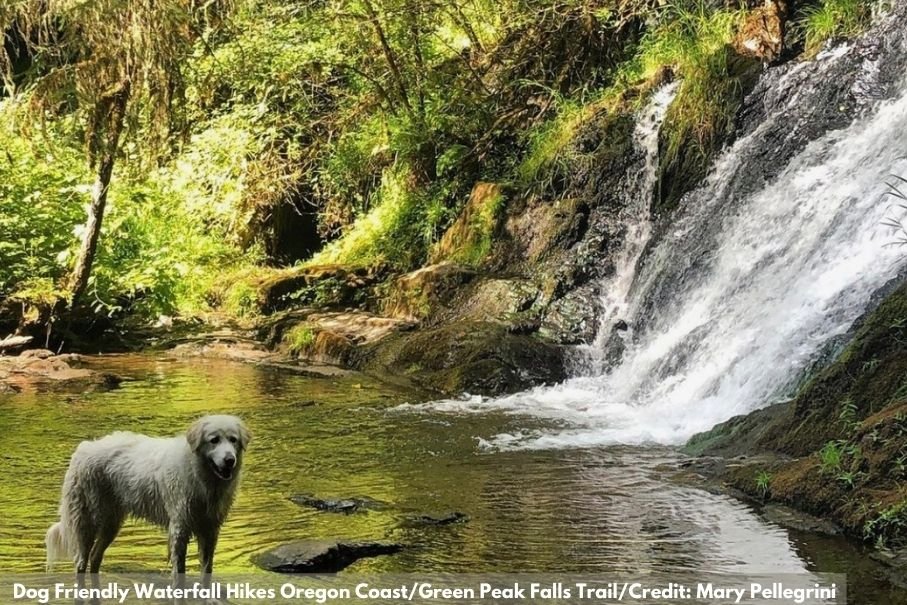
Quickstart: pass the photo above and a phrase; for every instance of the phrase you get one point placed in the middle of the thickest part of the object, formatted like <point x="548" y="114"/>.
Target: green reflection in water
<point x="608" y="509"/>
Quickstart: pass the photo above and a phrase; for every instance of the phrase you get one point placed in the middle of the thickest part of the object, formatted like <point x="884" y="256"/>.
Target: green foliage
<point x="887" y="525"/>
<point x="42" y="190"/>
<point x="829" y="19"/>
<point x="831" y="456"/>
<point x="848" y="415"/>
<point x="300" y="338"/>
<point x="763" y="482"/>
<point x="848" y="478"/>
<point x="688" y="39"/>
<point x="550" y="150"/>
<point x="396" y="231"/>
<point x="692" y="41"/>
<point x="156" y="253"/>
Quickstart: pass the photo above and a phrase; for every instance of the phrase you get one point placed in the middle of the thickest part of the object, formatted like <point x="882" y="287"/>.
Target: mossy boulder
<point x="468" y="240"/>
<point x="322" y="286"/>
<point x="474" y="357"/>
<point x="418" y="294"/>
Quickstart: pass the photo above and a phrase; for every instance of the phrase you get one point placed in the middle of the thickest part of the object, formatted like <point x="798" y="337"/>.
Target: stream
<point x="594" y="509"/>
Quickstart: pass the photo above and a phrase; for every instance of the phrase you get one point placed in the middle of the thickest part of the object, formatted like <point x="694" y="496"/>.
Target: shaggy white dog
<point x="185" y="484"/>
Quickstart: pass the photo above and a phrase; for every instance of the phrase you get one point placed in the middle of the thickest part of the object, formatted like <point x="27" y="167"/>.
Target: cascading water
<point x="636" y="215"/>
<point x="779" y="251"/>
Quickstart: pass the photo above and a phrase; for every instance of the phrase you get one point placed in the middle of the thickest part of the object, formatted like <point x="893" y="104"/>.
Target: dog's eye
<point x="232" y="439"/>
<point x="214" y="440"/>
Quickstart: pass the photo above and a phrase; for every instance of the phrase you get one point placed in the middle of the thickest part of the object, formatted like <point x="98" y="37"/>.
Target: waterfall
<point x="779" y="251"/>
<point x="637" y="217"/>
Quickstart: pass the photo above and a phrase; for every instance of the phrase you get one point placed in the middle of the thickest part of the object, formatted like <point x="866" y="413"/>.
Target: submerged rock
<point x="320" y="556"/>
<point x="444" y="519"/>
<point x="339" y="505"/>
<point x="37" y="368"/>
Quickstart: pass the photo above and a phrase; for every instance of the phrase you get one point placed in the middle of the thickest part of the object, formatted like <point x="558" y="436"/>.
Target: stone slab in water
<point x="444" y="519"/>
<point x="335" y="505"/>
<point x="320" y="556"/>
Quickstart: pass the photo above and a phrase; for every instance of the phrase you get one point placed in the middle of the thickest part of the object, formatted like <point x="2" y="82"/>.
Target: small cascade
<point x="637" y="218"/>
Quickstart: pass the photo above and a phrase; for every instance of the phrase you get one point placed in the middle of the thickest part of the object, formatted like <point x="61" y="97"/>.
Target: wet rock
<point x="8" y="389"/>
<point x="794" y="519"/>
<point x="36" y="354"/>
<point x="762" y="33"/>
<point x="315" y="285"/>
<point x="508" y="300"/>
<point x="14" y="343"/>
<point x="37" y="369"/>
<point x="320" y="556"/>
<point x="572" y="319"/>
<point x="417" y="295"/>
<point x="223" y="346"/>
<point x="445" y="519"/>
<point x="339" y="505"/>
<point x="474" y="357"/>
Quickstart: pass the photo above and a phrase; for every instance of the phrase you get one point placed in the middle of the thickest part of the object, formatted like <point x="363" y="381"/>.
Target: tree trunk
<point x="389" y="55"/>
<point x="110" y="116"/>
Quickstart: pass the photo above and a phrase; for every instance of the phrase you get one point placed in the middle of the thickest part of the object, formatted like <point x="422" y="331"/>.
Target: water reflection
<point x="565" y="510"/>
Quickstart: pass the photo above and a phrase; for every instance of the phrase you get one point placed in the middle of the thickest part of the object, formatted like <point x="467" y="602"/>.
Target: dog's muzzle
<point x="224" y="471"/>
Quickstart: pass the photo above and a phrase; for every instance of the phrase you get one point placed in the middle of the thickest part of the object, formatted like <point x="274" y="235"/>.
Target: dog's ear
<point x="196" y="434"/>
<point x="244" y="435"/>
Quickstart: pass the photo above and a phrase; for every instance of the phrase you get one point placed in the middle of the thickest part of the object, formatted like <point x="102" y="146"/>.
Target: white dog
<point x="185" y="484"/>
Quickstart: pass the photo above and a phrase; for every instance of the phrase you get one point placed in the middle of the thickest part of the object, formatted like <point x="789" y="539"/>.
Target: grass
<point x="763" y="482"/>
<point x="830" y="19"/>
<point x="300" y="338"/>
<point x="889" y="524"/>
<point x="831" y="456"/>
<point x="848" y="415"/>
<point x="693" y="43"/>
<point x="550" y="143"/>
<point x="392" y="232"/>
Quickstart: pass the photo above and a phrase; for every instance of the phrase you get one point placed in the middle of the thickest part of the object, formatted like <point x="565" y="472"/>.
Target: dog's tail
<point x="57" y="543"/>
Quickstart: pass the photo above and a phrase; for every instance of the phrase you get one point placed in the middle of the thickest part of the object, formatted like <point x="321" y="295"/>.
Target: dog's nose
<point x="229" y="461"/>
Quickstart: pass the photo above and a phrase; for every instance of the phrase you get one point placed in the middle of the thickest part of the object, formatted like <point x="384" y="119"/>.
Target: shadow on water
<point x="581" y="510"/>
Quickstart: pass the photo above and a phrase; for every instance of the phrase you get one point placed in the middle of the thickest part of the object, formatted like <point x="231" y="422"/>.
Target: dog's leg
<point x="106" y="535"/>
<point x="85" y="538"/>
<point x="207" y="541"/>
<point x="179" y="542"/>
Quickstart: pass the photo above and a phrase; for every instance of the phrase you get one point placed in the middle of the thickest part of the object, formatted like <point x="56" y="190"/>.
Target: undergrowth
<point x="830" y="19"/>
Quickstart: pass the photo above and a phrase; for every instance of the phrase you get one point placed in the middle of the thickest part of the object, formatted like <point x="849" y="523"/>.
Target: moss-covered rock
<point x="312" y="285"/>
<point x="473" y="357"/>
<point x="418" y="294"/>
<point x="469" y="239"/>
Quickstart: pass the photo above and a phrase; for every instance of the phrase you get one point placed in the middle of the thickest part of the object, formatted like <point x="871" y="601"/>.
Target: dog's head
<point x="220" y="442"/>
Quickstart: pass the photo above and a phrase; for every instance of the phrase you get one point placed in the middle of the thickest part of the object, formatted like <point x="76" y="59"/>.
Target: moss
<point x="241" y="300"/>
<point x="300" y="339"/>
<point x="468" y="241"/>
<point x="865" y="378"/>
<point x="396" y="231"/>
